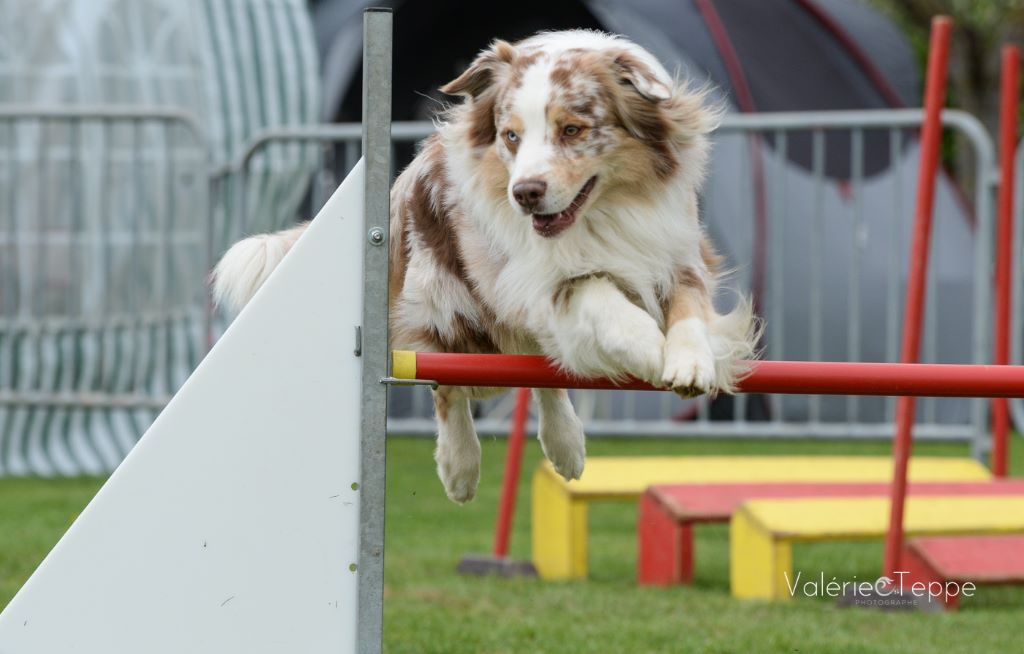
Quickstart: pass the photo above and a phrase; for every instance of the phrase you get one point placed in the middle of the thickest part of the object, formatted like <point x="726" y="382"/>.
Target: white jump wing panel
<point x="233" y="524"/>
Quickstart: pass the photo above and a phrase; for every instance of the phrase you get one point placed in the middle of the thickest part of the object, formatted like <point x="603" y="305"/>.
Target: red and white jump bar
<point x="789" y="377"/>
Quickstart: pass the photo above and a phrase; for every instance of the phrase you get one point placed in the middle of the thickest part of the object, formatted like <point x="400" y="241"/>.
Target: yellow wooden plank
<point x="627" y="477"/>
<point x="855" y="518"/>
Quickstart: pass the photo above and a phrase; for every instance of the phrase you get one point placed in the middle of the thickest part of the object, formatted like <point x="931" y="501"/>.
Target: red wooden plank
<point x="717" y="502"/>
<point x="981" y="559"/>
<point x="919" y="570"/>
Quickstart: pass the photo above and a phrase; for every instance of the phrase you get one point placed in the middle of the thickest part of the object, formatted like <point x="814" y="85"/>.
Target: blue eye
<point x="511" y="136"/>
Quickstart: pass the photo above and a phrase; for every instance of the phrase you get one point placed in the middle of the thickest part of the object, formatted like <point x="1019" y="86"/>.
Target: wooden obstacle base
<point x="559" y="508"/>
<point x="668" y="513"/>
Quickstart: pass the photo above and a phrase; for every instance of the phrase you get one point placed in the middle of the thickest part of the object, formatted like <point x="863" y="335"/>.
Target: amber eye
<point x="511" y="136"/>
<point x="572" y="130"/>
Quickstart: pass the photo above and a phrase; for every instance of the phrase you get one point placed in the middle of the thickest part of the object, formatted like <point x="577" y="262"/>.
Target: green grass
<point x="428" y="608"/>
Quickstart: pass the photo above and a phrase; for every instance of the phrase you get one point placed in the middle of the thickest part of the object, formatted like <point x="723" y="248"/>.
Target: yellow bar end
<point x="403" y="364"/>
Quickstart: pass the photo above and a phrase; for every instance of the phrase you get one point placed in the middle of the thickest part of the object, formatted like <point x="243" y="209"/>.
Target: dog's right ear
<point x="482" y="73"/>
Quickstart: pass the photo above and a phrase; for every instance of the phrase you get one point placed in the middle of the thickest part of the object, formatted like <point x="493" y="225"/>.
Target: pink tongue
<point x="551" y="224"/>
<point x="551" y="221"/>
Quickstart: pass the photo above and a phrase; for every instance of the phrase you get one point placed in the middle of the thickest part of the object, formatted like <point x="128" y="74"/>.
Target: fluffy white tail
<point x="244" y="267"/>
<point x="734" y="339"/>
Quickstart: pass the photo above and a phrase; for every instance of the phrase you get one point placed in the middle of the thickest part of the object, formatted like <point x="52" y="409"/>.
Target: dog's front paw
<point x="459" y="470"/>
<point x="635" y="344"/>
<point x="564" y="444"/>
<point x="689" y="362"/>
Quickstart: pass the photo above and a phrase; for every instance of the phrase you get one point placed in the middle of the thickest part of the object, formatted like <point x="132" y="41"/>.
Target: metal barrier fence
<point x="102" y="279"/>
<point x="794" y="164"/>
<point x="109" y="220"/>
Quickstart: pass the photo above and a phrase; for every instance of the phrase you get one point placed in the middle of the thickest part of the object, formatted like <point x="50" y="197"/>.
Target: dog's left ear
<point x="632" y="71"/>
<point x="482" y="73"/>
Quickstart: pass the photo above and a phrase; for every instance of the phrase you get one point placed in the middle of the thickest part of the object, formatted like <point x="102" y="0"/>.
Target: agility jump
<point x="232" y="560"/>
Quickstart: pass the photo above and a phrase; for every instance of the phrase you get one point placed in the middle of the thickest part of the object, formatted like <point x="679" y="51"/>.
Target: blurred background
<point x="140" y="138"/>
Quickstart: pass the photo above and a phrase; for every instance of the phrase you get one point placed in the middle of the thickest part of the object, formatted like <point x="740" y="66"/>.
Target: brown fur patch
<point x="493" y="174"/>
<point x="662" y="126"/>
<point x="441" y="403"/>
<point x="493" y="74"/>
<point x="635" y="73"/>
<point x="689" y="298"/>
<point x="583" y="105"/>
<point x="689" y="277"/>
<point x="482" y="130"/>
<point x="642" y="118"/>
<point x="430" y="214"/>
<point x="562" y="75"/>
<point x="711" y="258"/>
<point x="471" y="337"/>
<point x="564" y="292"/>
<point x="634" y="178"/>
<point x="645" y="122"/>
<point x="482" y="73"/>
<point x="398" y="250"/>
<point x="422" y="210"/>
<point x="480" y="83"/>
<point x="461" y="336"/>
<point x="519" y="65"/>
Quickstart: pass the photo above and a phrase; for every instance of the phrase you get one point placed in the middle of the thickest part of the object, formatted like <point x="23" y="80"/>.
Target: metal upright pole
<point x="374" y="332"/>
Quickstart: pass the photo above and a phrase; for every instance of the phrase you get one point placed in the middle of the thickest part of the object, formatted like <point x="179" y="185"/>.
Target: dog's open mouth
<point x="553" y="224"/>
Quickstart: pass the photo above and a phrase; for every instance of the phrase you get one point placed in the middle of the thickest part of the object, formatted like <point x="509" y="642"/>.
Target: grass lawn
<point x="428" y="608"/>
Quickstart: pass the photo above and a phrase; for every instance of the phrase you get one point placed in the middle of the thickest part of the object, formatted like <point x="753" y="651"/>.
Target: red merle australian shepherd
<point x="555" y="213"/>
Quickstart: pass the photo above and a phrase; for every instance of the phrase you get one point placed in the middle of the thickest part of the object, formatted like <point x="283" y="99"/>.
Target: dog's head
<point x="577" y="118"/>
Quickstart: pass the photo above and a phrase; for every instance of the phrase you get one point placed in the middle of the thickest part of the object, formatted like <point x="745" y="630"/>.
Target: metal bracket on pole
<point x="377" y="41"/>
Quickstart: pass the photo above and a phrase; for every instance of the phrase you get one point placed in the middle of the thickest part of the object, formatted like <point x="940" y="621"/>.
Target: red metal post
<point x="931" y="133"/>
<point x="1008" y="114"/>
<point x="510" y="483"/>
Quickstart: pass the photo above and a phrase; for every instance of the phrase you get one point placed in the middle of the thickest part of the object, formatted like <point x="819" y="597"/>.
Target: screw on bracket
<point x="376" y="236"/>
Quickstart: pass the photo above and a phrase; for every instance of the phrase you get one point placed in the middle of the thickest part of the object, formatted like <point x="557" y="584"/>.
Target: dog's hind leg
<point x="458" y="449"/>
<point x="561" y="432"/>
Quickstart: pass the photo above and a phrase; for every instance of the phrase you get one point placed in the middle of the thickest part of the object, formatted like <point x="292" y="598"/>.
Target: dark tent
<point x="848" y="56"/>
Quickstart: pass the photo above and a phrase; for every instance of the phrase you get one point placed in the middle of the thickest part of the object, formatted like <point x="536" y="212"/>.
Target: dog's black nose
<point x="529" y="193"/>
